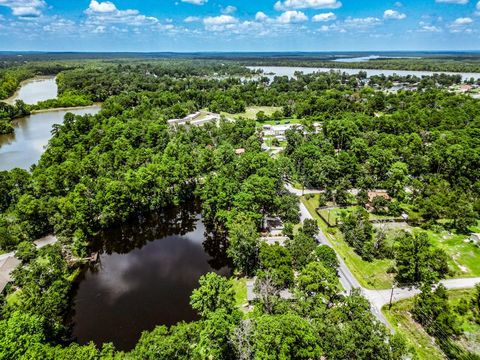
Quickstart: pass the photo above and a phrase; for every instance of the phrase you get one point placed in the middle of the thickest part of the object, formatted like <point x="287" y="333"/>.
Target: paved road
<point x="8" y="262"/>
<point x="300" y="192"/>
<point x="378" y="298"/>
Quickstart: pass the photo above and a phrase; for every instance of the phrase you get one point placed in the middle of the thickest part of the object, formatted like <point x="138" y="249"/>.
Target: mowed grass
<point x="240" y="288"/>
<point x="421" y="343"/>
<point x="251" y="111"/>
<point x="424" y="345"/>
<point x="464" y="256"/>
<point x="371" y="275"/>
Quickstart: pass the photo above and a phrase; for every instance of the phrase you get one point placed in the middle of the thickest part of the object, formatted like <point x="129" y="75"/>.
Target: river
<point x="25" y="146"/>
<point x="34" y="90"/>
<point x="146" y="272"/>
<point x="290" y="71"/>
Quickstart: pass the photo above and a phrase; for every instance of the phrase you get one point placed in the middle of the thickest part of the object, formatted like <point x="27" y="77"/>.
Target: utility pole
<point x="391" y="297"/>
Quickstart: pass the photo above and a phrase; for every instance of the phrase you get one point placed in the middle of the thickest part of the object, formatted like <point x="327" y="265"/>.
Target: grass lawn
<point x="464" y="256"/>
<point x="251" y="111"/>
<point x="240" y="287"/>
<point x="424" y="345"/>
<point x="371" y="275"/>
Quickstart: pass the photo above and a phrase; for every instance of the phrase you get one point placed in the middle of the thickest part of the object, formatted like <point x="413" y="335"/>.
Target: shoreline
<point x="40" y="111"/>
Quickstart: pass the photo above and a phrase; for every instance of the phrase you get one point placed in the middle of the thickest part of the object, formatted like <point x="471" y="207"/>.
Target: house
<point x="239" y="151"/>
<point x="279" y="130"/>
<point x="376" y="194"/>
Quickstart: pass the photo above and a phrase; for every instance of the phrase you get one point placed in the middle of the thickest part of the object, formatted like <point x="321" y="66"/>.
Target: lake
<point x="290" y="71"/>
<point x="35" y="90"/>
<point x="146" y="272"/>
<point x="26" y="145"/>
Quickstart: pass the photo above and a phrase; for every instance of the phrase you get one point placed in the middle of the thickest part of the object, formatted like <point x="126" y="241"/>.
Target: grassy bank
<point x="424" y="345"/>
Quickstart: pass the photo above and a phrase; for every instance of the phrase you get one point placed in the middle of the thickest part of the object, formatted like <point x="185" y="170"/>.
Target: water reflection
<point x="32" y="133"/>
<point x="35" y="90"/>
<point x="146" y="273"/>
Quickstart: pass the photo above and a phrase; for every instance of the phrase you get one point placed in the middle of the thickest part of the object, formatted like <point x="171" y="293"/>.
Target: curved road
<point x="377" y="298"/>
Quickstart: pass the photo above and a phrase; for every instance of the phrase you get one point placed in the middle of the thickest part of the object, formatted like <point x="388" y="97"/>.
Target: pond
<point x="26" y="145"/>
<point x="146" y="272"/>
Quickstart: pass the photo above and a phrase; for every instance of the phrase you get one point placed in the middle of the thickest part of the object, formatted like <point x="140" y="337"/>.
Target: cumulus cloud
<point x="106" y="13"/>
<point x="462" y="21"/>
<point x="195" y="2"/>
<point x="393" y="14"/>
<point x="261" y="16"/>
<point x="307" y="4"/>
<point x="291" y="16"/>
<point x="219" y="20"/>
<point x="24" y="8"/>
<point x="330" y="16"/>
<point x="102" y="7"/>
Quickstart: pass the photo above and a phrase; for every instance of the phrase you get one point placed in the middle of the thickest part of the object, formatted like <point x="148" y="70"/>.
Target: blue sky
<point x="239" y="25"/>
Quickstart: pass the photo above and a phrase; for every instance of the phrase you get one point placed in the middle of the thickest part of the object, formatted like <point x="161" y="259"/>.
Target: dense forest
<point x="99" y="171"/>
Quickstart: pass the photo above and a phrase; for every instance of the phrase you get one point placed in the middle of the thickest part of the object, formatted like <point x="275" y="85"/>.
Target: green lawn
<point x="251" y="111"/>
<point x="464" y="256"/>
<point x="240" y="287"/>
<point x="424" y="345"/>
<point x="371" y="275"/>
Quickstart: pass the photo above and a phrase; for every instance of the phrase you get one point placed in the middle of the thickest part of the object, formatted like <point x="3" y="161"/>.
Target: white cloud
<point x="393" y="14"/>
<point x="478" y="6"/>
<point x="461" y="25"/>
<point x="307" y="4"/>
<point x="331" y="28"/>
<point x="260" y="16"/>
<point x="102" y="7"/>
<point x="459" y="2"/>
<point x="229" y="9"/>
<point x="219" y="20"/>
<point x="106" y="13"/>
<point x="429" y="28"/>
<point x="195" y="2"/>
<point x="362" y="22"/>
<point x="191" y="19"/>
<point x="24" y="8"/>
<point x="462" y="21"/>
<point x="291" y="16"/>
<point x="324" y="17"/>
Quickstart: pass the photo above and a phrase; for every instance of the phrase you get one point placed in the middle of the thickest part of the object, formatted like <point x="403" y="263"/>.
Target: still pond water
<point x="146" y="272"/>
